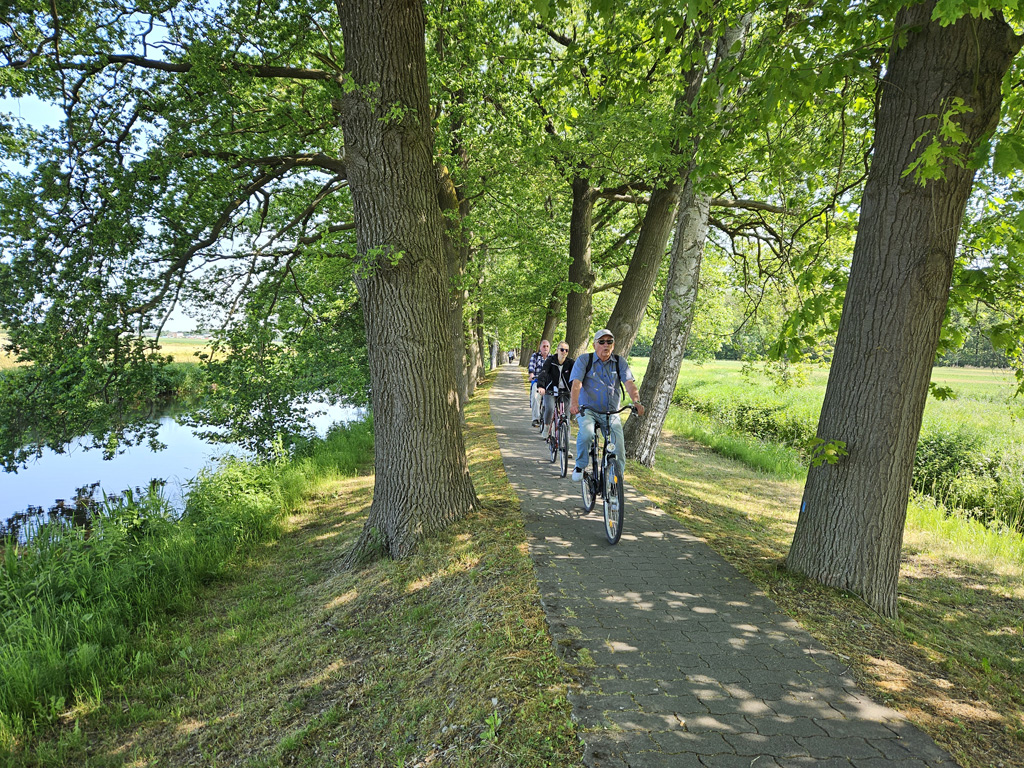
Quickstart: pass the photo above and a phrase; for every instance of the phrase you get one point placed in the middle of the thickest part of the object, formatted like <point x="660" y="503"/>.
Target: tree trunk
<point x="850" y="530"/>
<point x="482" y="342"/>
<point x="643" y="267"/>
<point x="551" y="320"/>
<point x="422" y="482"/>
<point x="579" y="307"/>
<point x="642" y="433"/>
<point x="474" y="361"/>
<point x="457" y="250"/>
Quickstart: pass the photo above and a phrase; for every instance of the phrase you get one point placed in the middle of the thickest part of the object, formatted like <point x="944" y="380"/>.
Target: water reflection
<point x="56" y="479"/>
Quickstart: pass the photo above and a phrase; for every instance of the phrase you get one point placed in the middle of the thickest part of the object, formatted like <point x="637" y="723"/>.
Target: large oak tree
<point x="940" y="99"/>
<point x="216" y="153"/>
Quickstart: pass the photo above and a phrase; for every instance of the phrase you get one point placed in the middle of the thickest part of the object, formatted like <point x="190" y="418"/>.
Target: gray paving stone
<point x="778" y="745"/>
<point x="661" y="760"/>
<point x="852" y="747"/>
<point x="773" y="725"/>
<point x="683" y="742"/>
<point x="693" y="665"/>
<point x="738" y="761"/>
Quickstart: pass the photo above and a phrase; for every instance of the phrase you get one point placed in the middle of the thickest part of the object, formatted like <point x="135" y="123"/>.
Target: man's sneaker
<point x="535" y="423"/>
<point x="577" y="474"/>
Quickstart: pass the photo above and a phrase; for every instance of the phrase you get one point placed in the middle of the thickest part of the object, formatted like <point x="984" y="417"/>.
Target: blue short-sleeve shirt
<point x="601" y="386"/>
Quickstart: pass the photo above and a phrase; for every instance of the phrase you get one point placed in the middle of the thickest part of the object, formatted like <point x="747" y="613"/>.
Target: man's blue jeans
<point x="584" y="437"/>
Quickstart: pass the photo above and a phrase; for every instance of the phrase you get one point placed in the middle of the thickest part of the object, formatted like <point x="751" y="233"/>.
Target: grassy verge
<point x="443" y="658"/>
<point x="76" y="603"/>
<point x="954" y="659"/>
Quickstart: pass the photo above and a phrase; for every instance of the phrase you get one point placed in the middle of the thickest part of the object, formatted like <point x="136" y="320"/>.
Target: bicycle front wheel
<point x="588" y="490"/>
<point x="614" y="501"/>
<point x="563" y="446"/>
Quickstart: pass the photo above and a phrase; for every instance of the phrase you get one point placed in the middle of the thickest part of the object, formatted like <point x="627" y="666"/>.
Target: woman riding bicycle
<point x="554" y="376"/>
<point x="596" y="378"/>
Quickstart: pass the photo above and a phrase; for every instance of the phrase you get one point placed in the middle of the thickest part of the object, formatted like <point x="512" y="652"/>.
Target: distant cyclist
<point x="536" y="362"/>
<point x="596" y="378"/>
<point x="554" y="375"/>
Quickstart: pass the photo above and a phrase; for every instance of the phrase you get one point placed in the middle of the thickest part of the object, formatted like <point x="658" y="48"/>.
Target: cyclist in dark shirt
<point x="554" y="379"/>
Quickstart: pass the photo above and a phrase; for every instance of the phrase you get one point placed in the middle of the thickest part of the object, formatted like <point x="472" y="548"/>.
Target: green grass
<point x="76" y="604"/>
<point x="442" y="658"/>
<point x="970" y="455"/>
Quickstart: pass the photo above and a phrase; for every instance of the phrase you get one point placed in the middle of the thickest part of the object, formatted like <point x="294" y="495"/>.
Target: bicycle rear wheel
<point x="614" y="501"/>
<point x="553" y="447"/>
<point x="563" y="446"/>
<point x="588" y="490"/>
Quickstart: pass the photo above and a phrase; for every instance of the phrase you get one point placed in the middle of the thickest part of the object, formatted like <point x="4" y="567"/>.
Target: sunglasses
<point x="606" y="341"/>
<point x="563" y="349"/>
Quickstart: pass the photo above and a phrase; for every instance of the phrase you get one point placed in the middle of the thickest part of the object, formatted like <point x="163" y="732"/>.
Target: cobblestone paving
<point x="691" y="664"/>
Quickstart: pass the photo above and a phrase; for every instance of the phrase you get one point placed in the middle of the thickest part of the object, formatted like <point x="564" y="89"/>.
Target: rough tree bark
<point x="579" y="307"/>
<point x="457" y="256"/>
<point x="474" y="363"/>
<point x="422" y="479"/>
<point x="642" y="433"/>
<point x="850" y="530"/>
<point x="551" y="319"/>
<point x="643" y="267"/>
<point x="481" y="338"/>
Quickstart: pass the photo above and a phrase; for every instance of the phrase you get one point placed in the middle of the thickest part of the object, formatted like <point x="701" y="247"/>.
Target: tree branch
<point x="256" y="70"/>
<point x="749" y="205"/>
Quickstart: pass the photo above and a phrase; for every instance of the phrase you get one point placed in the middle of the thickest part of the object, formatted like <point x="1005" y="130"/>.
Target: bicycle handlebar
<point x="630" y="407"/>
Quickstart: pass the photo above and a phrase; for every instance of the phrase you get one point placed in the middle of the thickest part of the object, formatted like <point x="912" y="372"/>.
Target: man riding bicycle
<point x="536" y="362"/>
<point x="554" y="376"/>
<point x="596" y="378"/>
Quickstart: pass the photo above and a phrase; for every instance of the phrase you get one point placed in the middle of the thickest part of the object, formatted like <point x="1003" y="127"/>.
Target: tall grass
<point x="780" y="460"/>
<point x="75" y="603"/>
<point x="970" y="456"/>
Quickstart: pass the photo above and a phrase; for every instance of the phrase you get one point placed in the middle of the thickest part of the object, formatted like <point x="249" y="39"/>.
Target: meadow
<point x="180" y="351"/>
<point x="970" y="454"/>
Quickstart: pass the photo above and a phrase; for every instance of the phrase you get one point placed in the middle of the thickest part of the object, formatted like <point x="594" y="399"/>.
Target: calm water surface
<point x="57" y="476"/>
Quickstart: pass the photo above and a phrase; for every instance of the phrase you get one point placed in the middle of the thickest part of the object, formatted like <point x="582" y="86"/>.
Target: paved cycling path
<point x="692" y="665"/>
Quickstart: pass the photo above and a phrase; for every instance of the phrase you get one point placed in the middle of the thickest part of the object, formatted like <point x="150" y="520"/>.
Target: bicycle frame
<point x="605" y="430"/>
<point x="598" y="482"/>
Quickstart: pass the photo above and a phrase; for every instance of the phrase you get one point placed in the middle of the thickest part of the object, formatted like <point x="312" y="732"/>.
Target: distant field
<point x="982" y="397"/>
<point x="971" y="449"/>
<point x="6" y="361"/>
<point x="181" y="350"/>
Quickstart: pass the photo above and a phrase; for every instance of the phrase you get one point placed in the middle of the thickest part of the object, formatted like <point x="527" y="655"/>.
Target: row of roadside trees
<point x="387" y="186"/>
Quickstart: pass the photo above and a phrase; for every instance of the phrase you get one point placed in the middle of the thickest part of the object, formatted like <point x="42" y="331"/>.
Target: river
<point x="57" y="476"/>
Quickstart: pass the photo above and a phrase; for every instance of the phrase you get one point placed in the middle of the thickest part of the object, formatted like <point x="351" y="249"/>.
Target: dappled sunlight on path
<point x="686" y="662"/>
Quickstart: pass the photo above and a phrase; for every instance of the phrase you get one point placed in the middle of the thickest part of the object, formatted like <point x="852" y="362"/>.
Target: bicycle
<point x="605" y="478"/>
<point x="558" y="440"/>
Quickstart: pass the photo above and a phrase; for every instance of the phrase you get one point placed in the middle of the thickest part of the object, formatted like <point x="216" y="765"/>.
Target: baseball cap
<point x="602" y="333"/>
